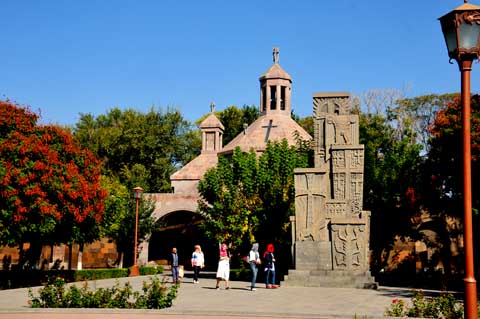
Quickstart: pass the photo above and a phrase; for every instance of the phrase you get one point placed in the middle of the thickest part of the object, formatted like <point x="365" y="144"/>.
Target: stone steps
<point x="328" y="278"/>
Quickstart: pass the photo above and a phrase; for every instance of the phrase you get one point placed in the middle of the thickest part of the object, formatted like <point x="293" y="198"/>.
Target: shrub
<point x="96" y="274"/>
<point x="148" y="270"/>
<point x="443" y="306"/>
<point x="155" y="295"/>
<point x="397" y="309"/>
<point x="19" y="278"/>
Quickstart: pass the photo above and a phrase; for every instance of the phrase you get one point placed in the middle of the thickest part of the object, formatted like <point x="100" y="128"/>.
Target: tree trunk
<point x="21" y="257"/>
<point x="33" y="255"/>
<point x="80" y="256"/>
<point x="120" y="262"/>
<point x="70" y="246"/>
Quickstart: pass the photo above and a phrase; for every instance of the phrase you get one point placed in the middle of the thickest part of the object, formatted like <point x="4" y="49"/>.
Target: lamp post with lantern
<point x="137" y="193"/>
<point x="461" y="29"/>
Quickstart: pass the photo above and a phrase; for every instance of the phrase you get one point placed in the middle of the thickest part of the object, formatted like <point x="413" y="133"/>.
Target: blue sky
<point x="71" y="57"/>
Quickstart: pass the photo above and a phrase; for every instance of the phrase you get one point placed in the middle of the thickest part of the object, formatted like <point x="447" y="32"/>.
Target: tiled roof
<point x="196" y="168"/>
<point x="276" y="72"/>
<point x="211" y="122"/>
<point x="270" y="127"/>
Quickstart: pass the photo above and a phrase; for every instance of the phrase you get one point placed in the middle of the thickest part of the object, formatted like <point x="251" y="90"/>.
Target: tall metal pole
<point x="470" y="283"/>
<point x="134" y="271"/>
<point x="136" y="233"/>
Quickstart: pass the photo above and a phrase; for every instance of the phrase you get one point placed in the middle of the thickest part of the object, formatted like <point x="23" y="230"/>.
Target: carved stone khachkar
<point x="330" y="231"/>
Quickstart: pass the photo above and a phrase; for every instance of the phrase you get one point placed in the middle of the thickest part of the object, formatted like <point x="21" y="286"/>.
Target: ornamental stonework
<point x="348" y="247"/>
<point x="330" y="229"/>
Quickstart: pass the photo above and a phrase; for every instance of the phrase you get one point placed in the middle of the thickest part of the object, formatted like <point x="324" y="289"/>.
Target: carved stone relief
<point x="336" y="209"/>
<point x="337" y="105"/>
<point x="338" y="159"/>
<point x="328" y="206"/>
<point x="339" y="185"/>
<point x="356" y="192"/>
<point x="348" y="243"/>
<point x="310" y="193"/>
<point x="356" y="159"/>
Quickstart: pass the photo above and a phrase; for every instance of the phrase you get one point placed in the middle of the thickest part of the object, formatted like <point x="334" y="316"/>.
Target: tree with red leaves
<point x="444" y="162"/>
<point x="443" y="176"/>
<point x="50" y="190"/>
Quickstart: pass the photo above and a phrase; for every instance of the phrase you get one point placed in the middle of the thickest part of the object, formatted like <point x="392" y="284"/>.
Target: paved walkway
<point x="196" y="301"/>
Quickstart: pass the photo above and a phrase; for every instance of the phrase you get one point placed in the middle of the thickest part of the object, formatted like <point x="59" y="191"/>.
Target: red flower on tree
<point x="50" y="188"/>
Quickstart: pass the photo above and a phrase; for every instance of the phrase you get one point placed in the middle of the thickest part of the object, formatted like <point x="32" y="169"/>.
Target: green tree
<point x="247" y="199"/>
<point x="49" y="187"/>
<point x="276" y="189"/>
<point x="391" y="187"/>
<point x="119" y="219"/>
<point x="234" y="118"/>
<point x="140" y="148"/>
<point x="230" y="198"/>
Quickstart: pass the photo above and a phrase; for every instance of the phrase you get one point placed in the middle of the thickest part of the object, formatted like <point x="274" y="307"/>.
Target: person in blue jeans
<point x="174" y="264"/>
<point x="254" y="261"/>
<point x="270" y="267"/>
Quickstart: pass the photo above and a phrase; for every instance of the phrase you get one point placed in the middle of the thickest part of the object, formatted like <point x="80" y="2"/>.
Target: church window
<point x="282" y="98"/>
<point x="273" y="97"/>
<point x="210" y="142"/>
<point x="264" y="98"/>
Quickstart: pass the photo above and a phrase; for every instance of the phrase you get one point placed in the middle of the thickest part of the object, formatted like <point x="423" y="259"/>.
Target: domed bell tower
<point x="275" y="89"/>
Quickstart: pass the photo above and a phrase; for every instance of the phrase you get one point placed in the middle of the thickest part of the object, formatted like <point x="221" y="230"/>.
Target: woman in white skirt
<point x="223" y="271"/>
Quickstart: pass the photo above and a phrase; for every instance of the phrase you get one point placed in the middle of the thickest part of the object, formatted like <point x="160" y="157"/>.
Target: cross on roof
<point x="212" y="107"/>
<point x="268" y="127"/>
<point x="276" y="55"/>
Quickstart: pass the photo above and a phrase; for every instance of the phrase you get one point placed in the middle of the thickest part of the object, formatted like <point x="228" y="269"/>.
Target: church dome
<point x="271" y="127"/>
<point x="212" y="122"/>
<point x="275" y="72"/>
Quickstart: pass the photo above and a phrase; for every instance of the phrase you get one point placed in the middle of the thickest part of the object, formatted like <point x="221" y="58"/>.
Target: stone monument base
<point x="329" y="278"/>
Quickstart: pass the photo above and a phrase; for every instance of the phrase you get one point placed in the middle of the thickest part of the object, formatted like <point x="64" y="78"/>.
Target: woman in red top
<point x="270" y="267"/>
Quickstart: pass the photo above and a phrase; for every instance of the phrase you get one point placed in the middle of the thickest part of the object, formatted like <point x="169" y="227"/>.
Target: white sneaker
<point x="253" y="289"/>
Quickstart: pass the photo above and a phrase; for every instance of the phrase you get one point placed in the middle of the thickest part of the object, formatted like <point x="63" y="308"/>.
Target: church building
<point x="274" y="124"/>
<point x="176" y="213"/>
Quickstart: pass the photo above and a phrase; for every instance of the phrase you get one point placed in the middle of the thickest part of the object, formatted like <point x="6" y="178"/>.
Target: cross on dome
<point x="276" y="55"/>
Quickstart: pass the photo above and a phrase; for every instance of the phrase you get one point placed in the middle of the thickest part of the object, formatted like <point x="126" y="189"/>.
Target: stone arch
<point x="167" y="203"/>
<point x="177" y="225"/>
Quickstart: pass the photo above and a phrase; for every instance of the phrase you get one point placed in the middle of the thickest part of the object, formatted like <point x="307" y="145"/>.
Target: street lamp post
<point x="461" y="28"/>
<point x="137" y="193"/>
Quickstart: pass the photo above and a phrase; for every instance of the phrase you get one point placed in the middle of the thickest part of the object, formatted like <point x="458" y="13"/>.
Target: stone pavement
<point x="196" y="301"/>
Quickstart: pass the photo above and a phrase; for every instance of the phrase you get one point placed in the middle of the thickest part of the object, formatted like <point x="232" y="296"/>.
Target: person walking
<point x="270" y="267"/>
<point x="254" y="261"/>
<point x="174" y="265"/>
<point x="223" y="270"/>
<point x="198" y="262"/>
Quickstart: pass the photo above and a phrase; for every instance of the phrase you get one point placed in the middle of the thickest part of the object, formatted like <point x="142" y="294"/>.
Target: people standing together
<point x="223" y="269"/>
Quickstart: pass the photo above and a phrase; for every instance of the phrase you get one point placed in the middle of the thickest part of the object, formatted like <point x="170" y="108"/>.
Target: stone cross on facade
<point x="268" y="127"/>
<point x="310" y="195"/>
<point x="276" y="55"/>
